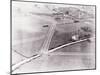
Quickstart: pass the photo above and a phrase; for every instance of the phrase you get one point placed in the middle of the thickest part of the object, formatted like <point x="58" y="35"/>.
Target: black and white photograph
<point x="52" y="37"/>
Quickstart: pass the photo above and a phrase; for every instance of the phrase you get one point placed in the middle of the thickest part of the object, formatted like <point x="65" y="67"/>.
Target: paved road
<point x="78" y="56"/>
